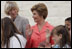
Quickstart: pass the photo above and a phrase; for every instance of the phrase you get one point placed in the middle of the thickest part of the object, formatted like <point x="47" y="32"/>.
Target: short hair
<point x="68" y="19"/>
<point x="9" y="6"/>
<point x="41" y="9"/>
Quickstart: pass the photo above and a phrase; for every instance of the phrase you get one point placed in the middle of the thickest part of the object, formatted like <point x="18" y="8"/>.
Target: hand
<point x="45" y="44"/>
<point x="28" y="31"/>
<point x="48" y="45"/>
<point x="42" y="44"/>
<point x="48" y="33"/>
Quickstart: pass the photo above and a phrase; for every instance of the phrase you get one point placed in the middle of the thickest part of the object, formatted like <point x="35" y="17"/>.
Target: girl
<point x="61" y="37"/>
<point x="10" y="36"/>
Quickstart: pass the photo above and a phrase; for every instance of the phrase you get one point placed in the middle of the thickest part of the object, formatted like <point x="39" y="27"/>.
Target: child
<point x="10" y="36"/>
<point x="61" y="37"/>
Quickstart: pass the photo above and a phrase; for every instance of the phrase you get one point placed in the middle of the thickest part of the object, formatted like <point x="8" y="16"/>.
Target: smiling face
<point x="36" y="16"/>
<point x="13" y="12"/>
<point x="11" y="9"/>
<point x="39" y="10"/>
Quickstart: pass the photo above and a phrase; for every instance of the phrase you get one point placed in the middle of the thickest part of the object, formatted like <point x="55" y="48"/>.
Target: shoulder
<point x="49" y="26"/>
<point x="21" y="18"/>
<point x="13" y="38"/>
<point x="19" y="36"/>
<point x="22" y="40"/>
<point x="14" y="42"/>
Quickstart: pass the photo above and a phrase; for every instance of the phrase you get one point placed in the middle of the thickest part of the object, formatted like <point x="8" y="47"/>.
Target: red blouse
<point x="38" y="37"/>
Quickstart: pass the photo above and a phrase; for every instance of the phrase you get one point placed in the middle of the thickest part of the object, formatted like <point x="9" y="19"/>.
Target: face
<point x="36" y="16"/>
<point x="13" y="12"/>
<point x="56" y="38"/>
<point x="68" y="24"/>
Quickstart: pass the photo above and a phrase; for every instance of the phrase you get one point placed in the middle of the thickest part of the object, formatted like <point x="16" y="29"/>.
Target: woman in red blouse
<point x="37" y="33"/>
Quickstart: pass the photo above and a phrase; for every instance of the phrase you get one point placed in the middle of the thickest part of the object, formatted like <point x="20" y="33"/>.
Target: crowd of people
<point x="16" y="31"/>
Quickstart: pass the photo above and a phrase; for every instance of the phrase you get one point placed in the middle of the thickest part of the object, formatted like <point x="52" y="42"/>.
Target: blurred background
<point x="58" y="11"/>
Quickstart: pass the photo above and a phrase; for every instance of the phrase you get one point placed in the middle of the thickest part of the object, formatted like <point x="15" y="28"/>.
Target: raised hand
<point x="28" y="31"/>
<point x="48" y="34"/>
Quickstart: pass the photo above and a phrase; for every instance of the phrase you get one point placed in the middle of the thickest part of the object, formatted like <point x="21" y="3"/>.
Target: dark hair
<point x="65" y="35"/>
<point x="8" y="30"/>
<point x="68" y="19"/>
<point x="41" y="9"/>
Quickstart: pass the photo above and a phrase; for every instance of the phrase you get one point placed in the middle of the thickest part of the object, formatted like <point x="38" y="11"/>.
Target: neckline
<point x="41" y="28"/>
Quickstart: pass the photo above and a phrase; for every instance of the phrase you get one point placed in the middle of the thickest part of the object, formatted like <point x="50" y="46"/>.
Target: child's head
<point x="68" y="23"/>
<point x="60" y="35"/>
<point x="8" y="29"/>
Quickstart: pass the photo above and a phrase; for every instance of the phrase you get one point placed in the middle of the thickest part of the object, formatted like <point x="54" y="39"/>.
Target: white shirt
<point x="66" y="46"/>
<point x="14" y="43"/>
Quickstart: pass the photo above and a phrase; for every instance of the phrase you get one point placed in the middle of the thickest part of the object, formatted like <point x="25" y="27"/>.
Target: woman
<point x="12" y="9"/>
<point x="10" y="36"/>
<point x="37" y="33"/>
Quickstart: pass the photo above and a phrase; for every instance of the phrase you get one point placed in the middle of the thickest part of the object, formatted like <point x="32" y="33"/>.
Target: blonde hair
<point x="9" y="6"/>
<point x="41" y="9"/>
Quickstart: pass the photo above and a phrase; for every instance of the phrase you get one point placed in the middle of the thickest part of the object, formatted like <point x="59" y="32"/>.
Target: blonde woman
<point x="12" y="9"/>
